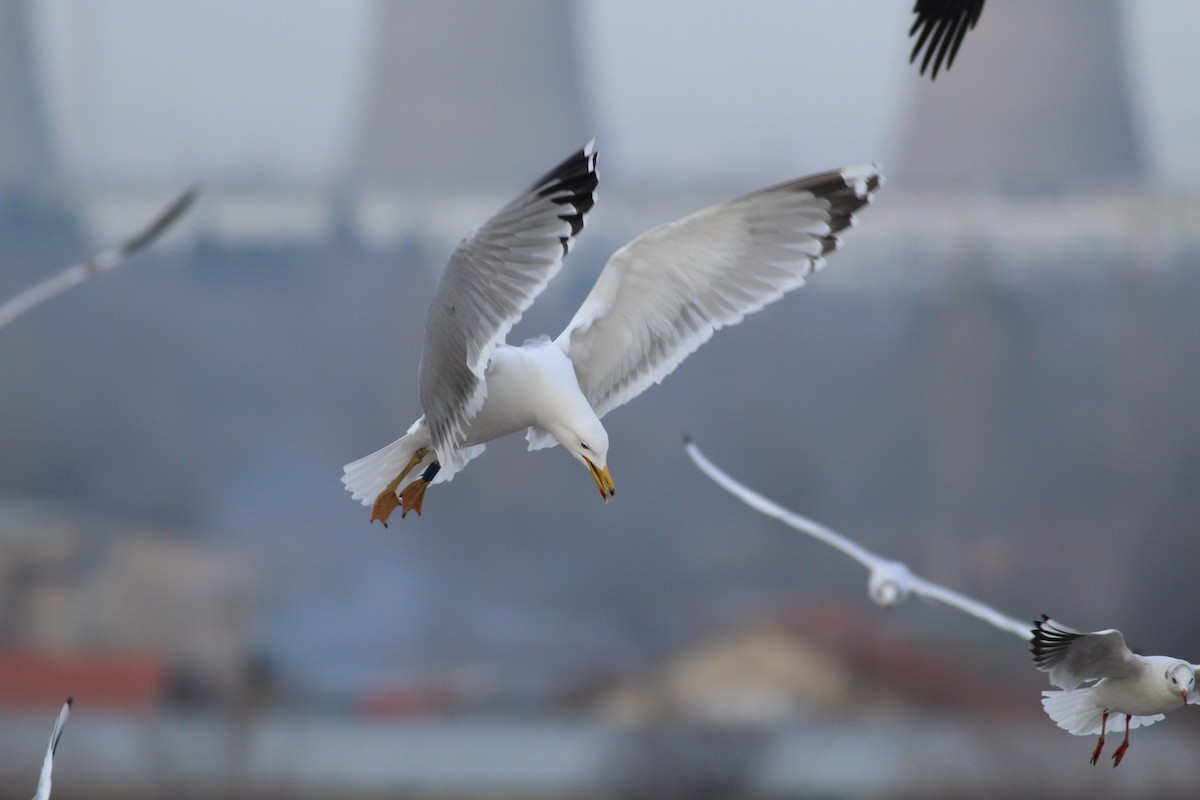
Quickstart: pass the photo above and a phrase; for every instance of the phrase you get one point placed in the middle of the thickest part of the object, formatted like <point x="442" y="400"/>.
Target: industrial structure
<point x="1037" y="104"/>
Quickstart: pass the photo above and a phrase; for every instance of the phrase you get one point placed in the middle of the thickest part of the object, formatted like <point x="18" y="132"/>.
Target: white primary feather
<point x="43" y="789"/>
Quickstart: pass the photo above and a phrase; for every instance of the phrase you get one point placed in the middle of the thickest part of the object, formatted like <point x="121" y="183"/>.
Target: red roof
<point x="935" y="678"/>
<point x="128" y="681"/>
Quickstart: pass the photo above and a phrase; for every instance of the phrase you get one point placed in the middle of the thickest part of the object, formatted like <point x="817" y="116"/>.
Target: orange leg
<point x="1100" y="744"/>
<point x="1120" y="751"/>
<point x="387" y="502"/>
<point x="414" y="494"/>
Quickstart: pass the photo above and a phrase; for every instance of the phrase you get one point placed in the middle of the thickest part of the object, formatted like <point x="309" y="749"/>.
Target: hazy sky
<point x="182" y="89"/>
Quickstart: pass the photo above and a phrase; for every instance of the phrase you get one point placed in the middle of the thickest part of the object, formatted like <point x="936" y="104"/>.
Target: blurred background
<point x="996" y="380"/>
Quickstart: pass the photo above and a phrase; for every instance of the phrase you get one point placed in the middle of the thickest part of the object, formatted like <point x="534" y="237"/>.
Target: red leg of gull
<point x="1120" y="751"/>
<point x="1100" y="744"/>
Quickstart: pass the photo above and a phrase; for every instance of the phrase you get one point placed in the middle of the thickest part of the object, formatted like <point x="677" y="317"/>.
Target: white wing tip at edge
<point x="861" y="177"/>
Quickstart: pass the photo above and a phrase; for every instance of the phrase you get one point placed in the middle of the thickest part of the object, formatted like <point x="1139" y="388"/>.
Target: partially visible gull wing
<point x="890" y="582"/>
<point x="489" y="282"/>
<point x="1074" y="657"/>
<point x="43" y="790"/>
<point x="78" y="273"/>
<point x="664" y="294"/>
<point x="942" y="25"/>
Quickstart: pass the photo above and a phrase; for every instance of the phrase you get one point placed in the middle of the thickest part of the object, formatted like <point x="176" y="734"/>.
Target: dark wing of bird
<point x="942" y="25"/>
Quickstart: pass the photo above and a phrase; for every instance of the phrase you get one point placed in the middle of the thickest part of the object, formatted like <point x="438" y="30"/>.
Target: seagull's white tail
<point x="370" y="475"/>
<point x="1075" y="710"/>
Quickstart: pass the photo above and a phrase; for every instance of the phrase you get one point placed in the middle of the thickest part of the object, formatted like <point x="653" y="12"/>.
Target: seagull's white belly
<point x="527" y="385"/>
<point x="1141" y="698"/>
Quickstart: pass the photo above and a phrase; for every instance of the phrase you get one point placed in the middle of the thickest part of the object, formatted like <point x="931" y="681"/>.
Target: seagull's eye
<point x="584" y="446"/>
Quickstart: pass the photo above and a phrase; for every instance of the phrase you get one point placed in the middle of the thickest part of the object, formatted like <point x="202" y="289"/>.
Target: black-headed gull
<point x="43" y="789"/>
<point x="78" y="273"/>
<point x="890" y="582"/>
<point x="942" y="25"/>
<point x="1118" y="682"/>
<point x="658" y="299"/>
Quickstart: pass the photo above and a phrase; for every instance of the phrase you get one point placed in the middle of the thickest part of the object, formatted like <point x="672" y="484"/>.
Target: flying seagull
<point x="78" y="273"/>
<point x="43" y="790"/>
<point x="890" y="582"/>
<point x="1099" y="676"/>
<point x="657" y="300"/>
<point x="1117" y="681"/>
<point x="942" y="25"/>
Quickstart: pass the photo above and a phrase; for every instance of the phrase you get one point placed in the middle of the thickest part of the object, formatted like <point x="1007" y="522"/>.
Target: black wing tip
<point x="70" y="701"/>
<point x="847" y="191"/>
<point x="166" y="218"/>
<point x="573" y="184"/>
<point x="943" y="24"/>
<point x="1049" y="639"/>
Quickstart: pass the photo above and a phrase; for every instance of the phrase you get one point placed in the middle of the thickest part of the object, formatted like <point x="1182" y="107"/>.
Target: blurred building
<point x="471" y="96"/>
<point x="1038" y="101"/>
<point x="821" y="660"/>
<point x="26" y="164"/>
<point x="136" y="612"/>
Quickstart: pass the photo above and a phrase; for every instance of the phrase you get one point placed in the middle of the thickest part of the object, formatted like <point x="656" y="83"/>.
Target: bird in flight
<point x="114" y="257"/>
<point x="942" y="25"/>
<point x="1098" y="676"/>
<point x="658" y="299"/>
<point x="889" y="582"/>
<point x="43" y="790"/>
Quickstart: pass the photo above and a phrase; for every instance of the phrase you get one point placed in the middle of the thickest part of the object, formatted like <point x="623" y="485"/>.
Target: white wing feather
<point x="664" y="294"/>
<point x="43" y="790"/>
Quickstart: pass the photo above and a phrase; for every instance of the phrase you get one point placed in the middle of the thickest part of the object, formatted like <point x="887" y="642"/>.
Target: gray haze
<point x="175" y="90"/>
<point x="1001" y="392"/>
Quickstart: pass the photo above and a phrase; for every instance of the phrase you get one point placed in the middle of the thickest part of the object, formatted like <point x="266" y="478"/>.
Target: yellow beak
<point x="603" y="479"/>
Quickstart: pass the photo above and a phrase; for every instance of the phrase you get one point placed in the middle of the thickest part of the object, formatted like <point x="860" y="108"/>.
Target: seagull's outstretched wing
<point x="489" y="282"/>
<point x="1074" y="657"/>
<point x="942" y="25"/>
<point x="43" y="790"/>
<point x="890" y="582"/>
<point x="78" y="273"/>
<point x="666" y="292"/>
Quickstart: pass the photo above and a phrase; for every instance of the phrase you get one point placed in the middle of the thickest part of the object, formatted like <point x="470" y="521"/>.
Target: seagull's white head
<point x="890" y="583"/>
<point x="1181" y="677"/>
<point x="587" y="440"/>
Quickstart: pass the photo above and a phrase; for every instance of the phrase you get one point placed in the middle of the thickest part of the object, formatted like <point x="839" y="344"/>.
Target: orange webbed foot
<point x="413" y="497"/>
<point x="387" y="501"/>
<point x="383" y="506"/>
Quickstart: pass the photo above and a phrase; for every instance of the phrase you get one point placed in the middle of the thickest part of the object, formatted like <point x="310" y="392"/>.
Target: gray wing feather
<point x="493" y="276"/>
<point x="1073" y="657"/>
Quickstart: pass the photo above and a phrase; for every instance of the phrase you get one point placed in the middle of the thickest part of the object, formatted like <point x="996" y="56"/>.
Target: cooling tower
<point x="25" y="158"/>
<point x="469" y="95"/>
<point x="1037" y="102"/>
